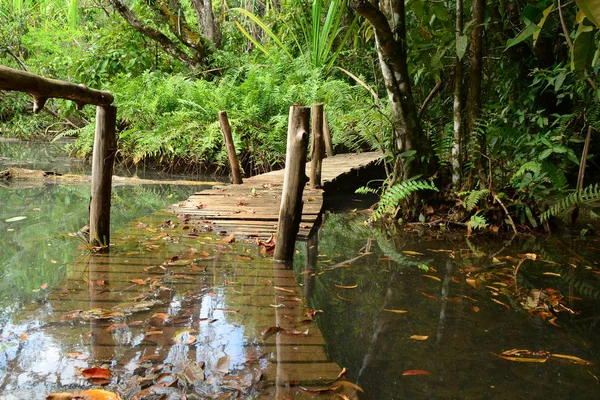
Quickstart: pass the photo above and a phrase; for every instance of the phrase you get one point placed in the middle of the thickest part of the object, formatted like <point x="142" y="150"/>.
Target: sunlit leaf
<point x="415" y="372"/>
<point x="395" y="311"/>
<point x="91" y="394"/>
<point x="501" y="303"/>
<point x="138" y="281"/>
<point x="419" y="337"/>
<point x="184" y="336"/>
<point x="523" y="359"/>
<point x="591" y="9"/>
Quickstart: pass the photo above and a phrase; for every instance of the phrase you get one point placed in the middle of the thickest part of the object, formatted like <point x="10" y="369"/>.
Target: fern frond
<point x="392" y="197"/>
<point x="532" y="166"/>
<point x="585" y="195"/>
<point x="366" y="190"/>
<point x="477" y="222"/>
<point x="472" y="197"/>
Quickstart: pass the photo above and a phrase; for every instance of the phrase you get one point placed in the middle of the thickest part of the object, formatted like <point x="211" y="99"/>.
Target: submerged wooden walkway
<point x="169" y="312"/>
<point x="252" y="208"/>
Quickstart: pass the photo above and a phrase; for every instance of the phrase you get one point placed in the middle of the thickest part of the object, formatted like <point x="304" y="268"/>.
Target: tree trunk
<point x="457" y="143"/>
<point x="473" y="105"/>
<point x="207" y="22"/>
<point x="391" y="50"/>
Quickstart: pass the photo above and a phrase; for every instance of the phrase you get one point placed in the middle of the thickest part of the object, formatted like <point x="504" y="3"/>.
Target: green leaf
<point x="582" y="55"/>
<point x="525" y="34"/>
<point x="546" y="12"/>
<point x="591" y="9"/>
<point x="544" y="154"/>
<point x="461" y="46"/>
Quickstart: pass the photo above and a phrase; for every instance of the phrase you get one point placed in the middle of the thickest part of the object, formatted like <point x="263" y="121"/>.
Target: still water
<point x="177" y="310"/>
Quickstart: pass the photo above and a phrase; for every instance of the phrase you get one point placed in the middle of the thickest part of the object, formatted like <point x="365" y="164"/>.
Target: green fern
<point x="585" y="195"/>
<point x="392" y="196"/>
<point x="532" y="166"/>
<point x="366" y="190"/>
<point x="477" y="222"/>
<point x="472" y="198"/>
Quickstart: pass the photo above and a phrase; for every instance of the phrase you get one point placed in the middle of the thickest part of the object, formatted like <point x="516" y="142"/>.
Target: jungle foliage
<point x="496" y="106"/>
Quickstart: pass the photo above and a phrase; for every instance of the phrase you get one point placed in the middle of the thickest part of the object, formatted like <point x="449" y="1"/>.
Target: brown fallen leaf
<point x="283" y="289"/>
<point x="138" y="281"/>
<point x="228" y="239"/>
<point x="411" y="372"/>
<point x="419" y="337"/>
<point x="44" y="286"/>
<point x="269" y="331"/>
<point x="475" y="309"/>
<point x="223" y="365"/>
<point x="430" y="296"/>
<point x="91" y="394"/>
<point x="435" y="278"/>
<point x="101" y="373"/>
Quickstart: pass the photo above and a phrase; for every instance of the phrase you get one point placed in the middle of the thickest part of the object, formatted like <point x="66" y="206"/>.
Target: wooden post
<point x="236" y="174"/>
<point x="103" y="158"/>
<point x="327" y="137"/>
<point x="318" y="146"/>
<point x="294" y="179"/>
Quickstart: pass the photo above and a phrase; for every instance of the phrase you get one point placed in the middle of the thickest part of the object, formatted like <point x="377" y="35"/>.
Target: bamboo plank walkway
<point x="162" y="299"/>
<point x="252" y="208"/>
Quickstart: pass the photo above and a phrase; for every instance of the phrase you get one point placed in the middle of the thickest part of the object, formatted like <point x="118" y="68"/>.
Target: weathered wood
<point x="43" y="88"/>
<point x="236" y="174"/>
<point x="318" y="145"/>
<point x="327" y="137"/>
<point x="293" y="183"/>
<point x="103" y="158"/>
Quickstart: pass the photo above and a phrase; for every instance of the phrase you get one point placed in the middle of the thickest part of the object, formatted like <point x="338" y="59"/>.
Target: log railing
<point x="104" y="152"/>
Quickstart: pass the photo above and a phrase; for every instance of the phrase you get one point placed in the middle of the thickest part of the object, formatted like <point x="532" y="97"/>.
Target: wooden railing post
<point x="318" y="146"/>
<point x="327" y="137"/>
<point x="294" y="179"/>
<point x="236" y="175"/>
<point x="103" y="158"/>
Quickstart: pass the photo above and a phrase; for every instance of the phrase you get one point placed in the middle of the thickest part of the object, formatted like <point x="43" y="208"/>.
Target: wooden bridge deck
<point x="252" y="208"/>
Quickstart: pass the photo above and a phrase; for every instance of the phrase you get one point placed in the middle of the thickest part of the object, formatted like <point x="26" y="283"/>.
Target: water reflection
<point x="440" y="309"/>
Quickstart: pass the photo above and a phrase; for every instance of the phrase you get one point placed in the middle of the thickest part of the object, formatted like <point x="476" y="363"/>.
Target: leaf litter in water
<point x="541" y="356"/>
<point x="419" y="337"/>
<point x="411" y="372"/>
<point x="15" y="219"/>
<point x="345" y="286"/>
<point x="395" y="311"/>
<point x="91" y="394"/>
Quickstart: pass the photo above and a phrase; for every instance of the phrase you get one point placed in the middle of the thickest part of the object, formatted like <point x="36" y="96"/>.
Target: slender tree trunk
<point x="457" y="144"/>
<point x="207" y="21"/>
<point x="473" y="105"/>
<point x="390" y="38"/>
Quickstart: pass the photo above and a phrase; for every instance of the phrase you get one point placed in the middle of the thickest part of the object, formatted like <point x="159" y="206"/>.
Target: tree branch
<point x="168" y="46"/>
<point x="430" y="97"/>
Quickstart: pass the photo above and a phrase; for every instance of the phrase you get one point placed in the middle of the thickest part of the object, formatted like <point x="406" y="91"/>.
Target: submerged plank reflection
<point x="169" y="313"/>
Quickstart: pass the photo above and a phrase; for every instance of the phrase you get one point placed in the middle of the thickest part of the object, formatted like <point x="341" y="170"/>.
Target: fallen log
<point x="23" y="174"/>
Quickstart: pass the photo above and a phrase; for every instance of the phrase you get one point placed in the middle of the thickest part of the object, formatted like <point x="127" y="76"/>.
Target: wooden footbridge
<point x="251" y="209"/>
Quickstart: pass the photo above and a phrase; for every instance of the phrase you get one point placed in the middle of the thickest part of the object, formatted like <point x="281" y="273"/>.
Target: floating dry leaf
<point x="415" y="372"/>
<point x="551" y="273"/>
<point x="283" y="289"/>
<point x="269" y="331"/>
<point x="345" y="286"/>
<point x="44" y="286"/>
<point x="419" y="337"/>
<point x="96" y="373"/>
<point x="138" y="281"/>
<point x="475" y="309"/>
<point x="412" y="253"/>
<point x="395" y="311"/>
<point x="430" y="296"/>
<point x="223" y="365"/>
<point x="91" y="394"/>
<point x="575" y="359"/>
<point x="435" y="278"/>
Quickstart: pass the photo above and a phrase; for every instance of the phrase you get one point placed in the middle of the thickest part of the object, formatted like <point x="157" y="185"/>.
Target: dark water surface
<point x="459" y="301"/>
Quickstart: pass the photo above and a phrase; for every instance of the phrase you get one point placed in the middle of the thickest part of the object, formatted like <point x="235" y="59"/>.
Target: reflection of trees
<point x="37" y="250"/>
